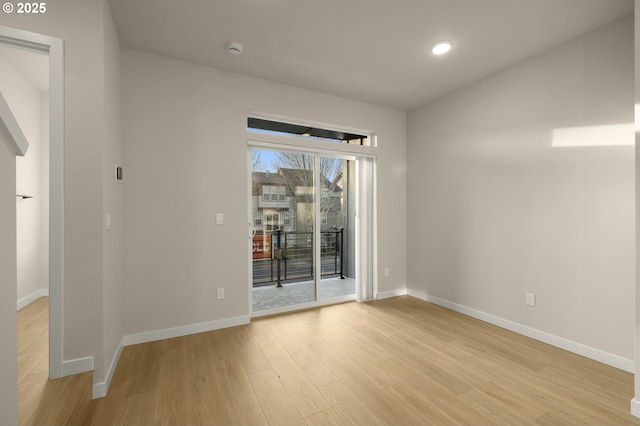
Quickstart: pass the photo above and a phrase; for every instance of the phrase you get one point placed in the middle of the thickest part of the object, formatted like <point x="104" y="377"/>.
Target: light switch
<point x="108" y="221"/>
<point x="219" y="218"/>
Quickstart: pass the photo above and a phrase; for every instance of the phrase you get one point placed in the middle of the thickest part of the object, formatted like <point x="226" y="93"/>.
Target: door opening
<point x="25" y="88"/>
<point x="305" y="236"/>
<point x="52" y="127"/>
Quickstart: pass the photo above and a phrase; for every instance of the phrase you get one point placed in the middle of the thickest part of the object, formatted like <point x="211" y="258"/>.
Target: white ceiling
<point x="375" y="51"/>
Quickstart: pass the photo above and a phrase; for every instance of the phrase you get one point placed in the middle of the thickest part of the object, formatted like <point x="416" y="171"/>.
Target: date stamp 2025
<point x="25" y="8"/>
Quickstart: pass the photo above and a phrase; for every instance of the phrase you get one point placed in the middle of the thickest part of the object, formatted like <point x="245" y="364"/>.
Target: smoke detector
<point x="234" y="48"/>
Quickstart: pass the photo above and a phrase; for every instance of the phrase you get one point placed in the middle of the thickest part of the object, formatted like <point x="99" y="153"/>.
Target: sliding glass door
<point x="300" y="211"/>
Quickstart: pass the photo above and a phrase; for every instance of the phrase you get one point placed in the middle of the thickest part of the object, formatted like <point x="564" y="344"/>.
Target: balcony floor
<point x="270" y="297"/>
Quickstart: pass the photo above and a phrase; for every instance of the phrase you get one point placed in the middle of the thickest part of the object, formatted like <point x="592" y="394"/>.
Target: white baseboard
<point x="391" y="293"/>
<point x="77" y="366"/>
<point x="32" y="297"/>
<point x="100" y="389"/>
<point x="616" y="361"/>
<point x="168" y="333"/>
<point x="635" y="407"/>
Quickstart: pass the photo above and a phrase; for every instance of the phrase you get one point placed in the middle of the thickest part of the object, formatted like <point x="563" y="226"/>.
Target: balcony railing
<point x="288" y="256"/>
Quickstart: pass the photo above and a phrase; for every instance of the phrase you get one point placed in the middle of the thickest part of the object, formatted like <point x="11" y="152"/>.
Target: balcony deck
<point x="295" y="293"/>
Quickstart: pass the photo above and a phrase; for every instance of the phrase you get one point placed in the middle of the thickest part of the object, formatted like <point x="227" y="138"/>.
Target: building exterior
<point x="283" y="201"/>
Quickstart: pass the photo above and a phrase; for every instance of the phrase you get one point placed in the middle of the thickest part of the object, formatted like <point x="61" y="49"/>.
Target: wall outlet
<point x="386" y="272"/>
<point x="530" y="299"/>
<point x="220" y="293"/>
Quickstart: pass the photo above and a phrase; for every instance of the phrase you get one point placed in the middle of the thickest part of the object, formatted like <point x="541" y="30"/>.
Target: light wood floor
<point x="396" y="361"/>
<point x="42" y="401"/>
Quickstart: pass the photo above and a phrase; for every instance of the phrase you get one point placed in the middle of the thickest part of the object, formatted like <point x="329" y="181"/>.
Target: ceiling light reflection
<point x="441" y="48"/>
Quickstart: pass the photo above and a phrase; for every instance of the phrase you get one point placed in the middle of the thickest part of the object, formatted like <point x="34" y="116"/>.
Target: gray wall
<point x="186" y="151"/>
<point x="496" y="210"/>
<point x="91" y="145"/>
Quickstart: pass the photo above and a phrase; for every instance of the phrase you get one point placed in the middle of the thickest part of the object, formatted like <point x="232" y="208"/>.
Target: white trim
<point x="56" y="208"/>
<point x="185" y="330"/>
<point x="391" y="293"/>
<point x="560" y="342"/>
<point x="26" y="39"/>
<point x="16" y="135"/>
<point x="27" y="300"/>
<point x="635" y="407"/>
<point x="373" y="214"/>
<point x="316" y="232"/>
<point x="250" y="229"/>
<point x="100" y="389"/>
<point x="77" y="366"/>
<point x="55" y="48"/>
<point x="366" y="230"/>
<point x="292" y="143"/>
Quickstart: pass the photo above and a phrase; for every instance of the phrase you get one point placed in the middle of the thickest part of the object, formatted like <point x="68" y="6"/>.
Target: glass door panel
<point x="336" y="183"/>
<point x="283" y="199"/>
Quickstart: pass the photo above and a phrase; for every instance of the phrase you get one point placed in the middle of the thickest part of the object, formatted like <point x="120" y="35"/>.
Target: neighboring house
<point x="284" y="201"/>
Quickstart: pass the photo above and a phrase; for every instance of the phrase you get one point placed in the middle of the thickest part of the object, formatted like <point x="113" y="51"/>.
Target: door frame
<point x="54" y="47"/>
<point x="365" y="250"/>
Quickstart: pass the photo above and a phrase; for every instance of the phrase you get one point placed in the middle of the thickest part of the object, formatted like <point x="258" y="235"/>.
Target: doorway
<point x="24" y="86"/>
<point x="300" y="231"/>
<point x="311" y="222"/>
<point x="54" y="131"/>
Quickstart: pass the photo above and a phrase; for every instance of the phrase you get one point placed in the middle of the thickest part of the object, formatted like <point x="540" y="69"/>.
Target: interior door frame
<point x="54" y="47"/>
<point x="365" y="212"/>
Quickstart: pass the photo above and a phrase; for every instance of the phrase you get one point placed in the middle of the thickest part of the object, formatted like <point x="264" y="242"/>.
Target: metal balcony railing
<point x="288" y="256"/>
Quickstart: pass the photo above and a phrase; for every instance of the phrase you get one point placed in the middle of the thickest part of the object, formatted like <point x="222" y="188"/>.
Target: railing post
<point x="271" y="247"/>
<point x="335" y="252"/>
<point x="279" y="257"/>
<point x="285" y="257"/>
<point x="341" y="254"/>
<point x="313" y="257"/>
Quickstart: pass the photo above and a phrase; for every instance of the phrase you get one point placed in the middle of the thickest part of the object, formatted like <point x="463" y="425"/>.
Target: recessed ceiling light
<point x="234" y="48"/>
<point x="442" y="47"/>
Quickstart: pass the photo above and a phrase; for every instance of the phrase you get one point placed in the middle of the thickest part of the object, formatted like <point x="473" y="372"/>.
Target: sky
<point x="267" y="157"/>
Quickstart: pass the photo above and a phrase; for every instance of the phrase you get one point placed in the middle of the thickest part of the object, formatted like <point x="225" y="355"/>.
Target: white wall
<point x="185" y="145"/>
<point x="495" y="210"/>
<point x="26" y="103"/>
<point x="113" y="199"/>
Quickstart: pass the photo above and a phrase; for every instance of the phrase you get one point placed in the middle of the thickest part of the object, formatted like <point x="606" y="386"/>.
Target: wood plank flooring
<point x="42" y="401"/>
<point x="395" y="361"/>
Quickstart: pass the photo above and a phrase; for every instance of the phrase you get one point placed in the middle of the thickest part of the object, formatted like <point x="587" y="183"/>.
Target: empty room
<point x="319" y="212"/>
